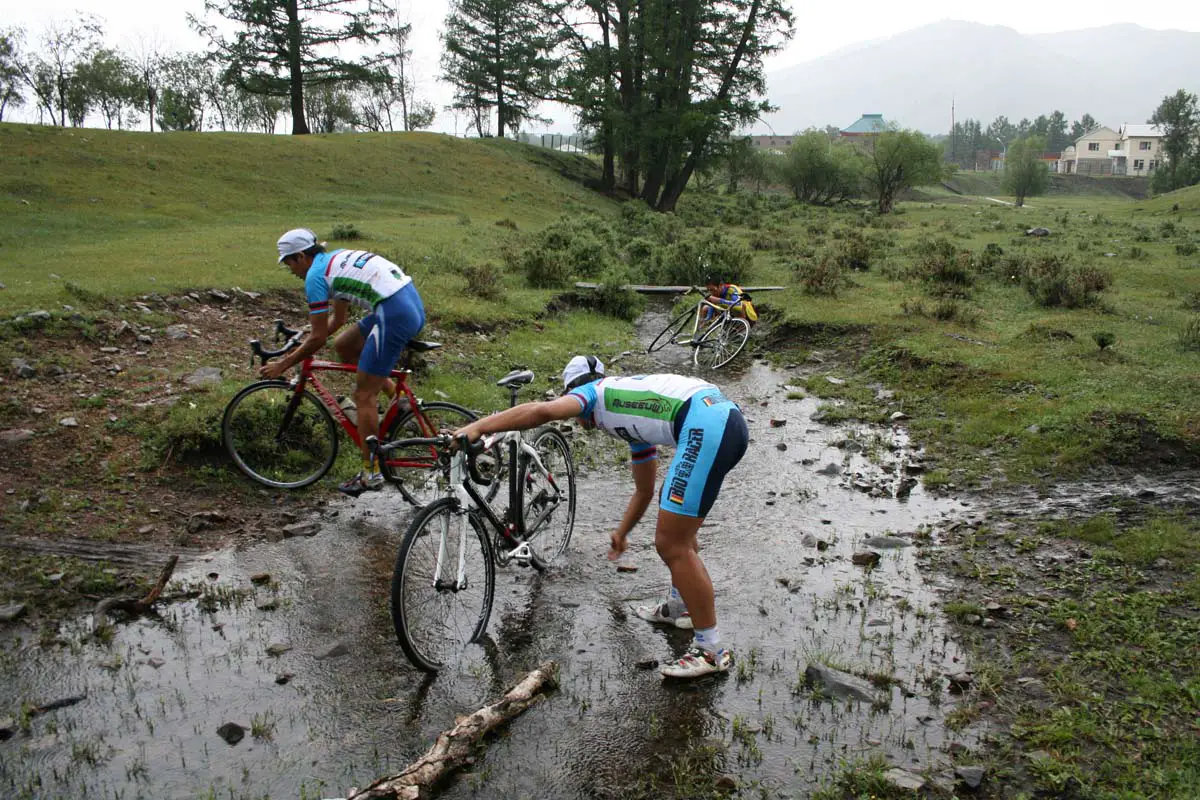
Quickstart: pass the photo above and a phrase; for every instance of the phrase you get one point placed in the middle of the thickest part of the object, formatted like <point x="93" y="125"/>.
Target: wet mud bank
<point x="281" y="676"/>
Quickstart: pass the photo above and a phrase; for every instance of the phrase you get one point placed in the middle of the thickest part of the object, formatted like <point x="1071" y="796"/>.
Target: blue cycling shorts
<point x="388" y="329"/>
<point x="711" y="439"/>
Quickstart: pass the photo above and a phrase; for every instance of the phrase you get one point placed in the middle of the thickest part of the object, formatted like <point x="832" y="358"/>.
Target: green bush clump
<point x="1186" y="249"/>
<point x="485" y="280"/>
<point x="571" y="247"/>
<point x="1104" y="339"/>
<point x="615" y="298"/>
<point x="990" y="260"/>
<point x="1189" y="337"/>
<point x="943" y="267"/>
<point x="1191" y="301"/>
<point x="852" y="252"/>
<point x="1052" y="280"/>
<point x="687" y="262"/>
<point x="821" y="276"/>
<point x="946" y="309"/>
<point x="346" y="232"/>
<point x="1140" y="234"/>
<point x="1167" y="229"/>
<point x="638" y="220"/>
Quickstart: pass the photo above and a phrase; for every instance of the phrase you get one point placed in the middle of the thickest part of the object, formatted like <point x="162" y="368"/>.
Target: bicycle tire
<point x="420" y="485"/>
<point x="556" y="455"/>
<point x="671" y="331"/>
<point x="426" y="646"/>
<point x="721" y="344"/>
<point x="305" y="440"/>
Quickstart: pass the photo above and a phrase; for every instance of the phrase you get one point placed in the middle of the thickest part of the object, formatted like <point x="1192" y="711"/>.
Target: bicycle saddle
<point x="417" y="346"/>
<point x="518" y="377"/>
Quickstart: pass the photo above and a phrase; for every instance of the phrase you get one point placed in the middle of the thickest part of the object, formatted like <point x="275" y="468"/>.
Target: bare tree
<point x="51" y="70"/>
<point x="148" y="60"/>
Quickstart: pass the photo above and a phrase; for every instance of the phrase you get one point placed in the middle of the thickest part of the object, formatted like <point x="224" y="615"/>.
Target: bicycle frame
<point x="308" y="377"/>
<point x="721" y="313"/>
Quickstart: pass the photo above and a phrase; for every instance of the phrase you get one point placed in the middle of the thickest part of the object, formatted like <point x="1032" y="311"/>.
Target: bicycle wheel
<point x="720" y="343"/>
<point x="436" y="614"/>
<point x="671" y="331"/>
<point x="547" y="500"/>
<point x="420" y="482"/>
<point x="279" y="437"/>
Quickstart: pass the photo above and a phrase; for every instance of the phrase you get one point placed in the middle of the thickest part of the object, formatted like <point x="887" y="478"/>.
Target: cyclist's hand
<point x="468" y="432"/>
<point x="618" y="544"/>
<point x="272" y="370"/>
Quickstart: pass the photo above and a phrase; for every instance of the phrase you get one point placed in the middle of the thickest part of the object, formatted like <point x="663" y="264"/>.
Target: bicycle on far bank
<point x="284" y="433"/>
<point x="444" y="580"/>
<point x="715" y="335"/>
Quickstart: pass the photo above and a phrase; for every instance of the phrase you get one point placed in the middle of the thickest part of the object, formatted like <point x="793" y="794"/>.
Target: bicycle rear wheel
<point x="415" y="469"/>
<point x="279" y="437"/>
<point x="435" y="613"/>
<point x="674" y="327"/>
<point x="721" y="343"/>
<point x="547" y="499"/>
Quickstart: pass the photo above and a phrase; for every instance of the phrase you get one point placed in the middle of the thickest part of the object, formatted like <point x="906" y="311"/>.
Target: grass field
<point x="1012" y="372"/>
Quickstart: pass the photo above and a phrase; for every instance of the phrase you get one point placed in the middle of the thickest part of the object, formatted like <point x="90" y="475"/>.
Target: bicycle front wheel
<point x="443" y="584"/>
<point x="672" y="331"/>
<point x="278" y="436"/>
<point x="721" y="343"/>
<point x="546" y="497"/>
<point x="415" y="469"/>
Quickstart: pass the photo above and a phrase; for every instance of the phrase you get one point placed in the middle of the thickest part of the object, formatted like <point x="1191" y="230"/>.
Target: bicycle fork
<point x="457" y="476"/>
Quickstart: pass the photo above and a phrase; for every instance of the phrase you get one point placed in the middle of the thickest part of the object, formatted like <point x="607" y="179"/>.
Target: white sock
<point x="707" y="639"/>
<point x="675" y="605"/>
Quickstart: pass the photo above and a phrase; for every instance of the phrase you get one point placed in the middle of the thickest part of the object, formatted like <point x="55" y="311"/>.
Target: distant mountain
<point x="1118" y="74"/>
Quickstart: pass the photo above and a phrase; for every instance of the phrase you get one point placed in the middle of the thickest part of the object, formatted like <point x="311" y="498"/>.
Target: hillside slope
<point x="123" y="212"/>
<point x="912" y="77"/>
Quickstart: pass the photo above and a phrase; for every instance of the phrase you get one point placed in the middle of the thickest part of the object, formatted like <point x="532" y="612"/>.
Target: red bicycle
<point x="284" y="433"/>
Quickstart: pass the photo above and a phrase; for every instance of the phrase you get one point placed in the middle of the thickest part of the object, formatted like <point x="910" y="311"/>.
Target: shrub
<point x="853" y="252"/>
<point x="1189" y="337"/>
<point x="1191" y="301"/>
<point x="464" y="219"/>
<point x="688" y="261"/>
<point x="989" y="261"/>
<point x="346" y="232"/>
<point x="544" y="268"/>
<point x="944" y="268"/>
<point x="506" y="223"/>
<point x="572" y="246"/>
<point x="1052" y="280"/>
<point x="1104" y="339"/>
<point x="1136" y="253"/>
<point x="1186" y="249"/>
<point x="820" y="276"/>
<point x="1167" y="229"/>
<point x="484" y="280"/>
<point x="615" y="298"/>
<point x="1141" y="234"/>
<point x="946" y="309"/>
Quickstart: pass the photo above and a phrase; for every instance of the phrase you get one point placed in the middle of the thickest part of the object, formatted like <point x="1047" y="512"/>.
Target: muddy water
<point x="778" y="546"/>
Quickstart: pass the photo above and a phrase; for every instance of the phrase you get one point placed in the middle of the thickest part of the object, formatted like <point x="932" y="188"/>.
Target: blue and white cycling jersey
<point x="365" y="279"/>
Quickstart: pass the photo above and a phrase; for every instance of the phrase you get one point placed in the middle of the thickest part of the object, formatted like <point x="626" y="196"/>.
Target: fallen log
<point x="453" y="747"/>
<point x="132" y="605"/>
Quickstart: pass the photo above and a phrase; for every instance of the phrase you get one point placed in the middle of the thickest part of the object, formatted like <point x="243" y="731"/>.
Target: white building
<point x="1089" y="155"/>
<point x="1133" y="150"/>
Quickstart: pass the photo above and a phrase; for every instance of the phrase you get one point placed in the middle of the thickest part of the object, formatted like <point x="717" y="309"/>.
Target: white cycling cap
<point x="295" y="241"/>
<point x="579" y="366"/>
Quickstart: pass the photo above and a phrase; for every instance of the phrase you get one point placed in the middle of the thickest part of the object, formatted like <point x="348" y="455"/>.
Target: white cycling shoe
<point x="661" y="615"/>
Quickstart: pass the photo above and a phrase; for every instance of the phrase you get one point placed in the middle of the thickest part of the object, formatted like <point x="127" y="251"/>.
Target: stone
<point x="626" y="568"/>
<point x="267" y="604"/>
<point x="839" y="684"/>
<point x="830" y="469"/>
<point x="903" y="779"/>
<point x="647" y="663"/>
<point x="808" y="540"/>
<point x="1038" y="232"/>
<point x="959" y="681"/>
<point x="203" y="378"/>
<point x="970" y="776"/>
<point x="8" y="728"/>
<point x="284" y="678"/>
<point x="144" y="339"/>
<point x="886" y="542"/>
<point x="145" y="529"/>
<point x="69" y="422"/>
<point x="781" y="446"/>
<point x="259" y="578"/>
<point x="217" y="294"/>
<point x="11" y="613"/>
<point x="835" y="381"/>
<point x="278" y="649"/>
<point x="996" y="611"/>
<point x="177" y="332"/>
<point x="15" y="436"/>
<point x="23" y="368"/>
<point x="40" y="316"/>
<point x="56" y="578"/>
<point x="726" y="783"/>
<point x="338" y="650"/>
<point x="865" y="558"/>
<point x="822" y="545"/>
<point x="778" y="423"/>
<point x="156" y="662"/>
<point x="231" y="732"/>
<point x="300" y="529"/>
<point x="899" y="416"/>
<point x="202" y="519"/>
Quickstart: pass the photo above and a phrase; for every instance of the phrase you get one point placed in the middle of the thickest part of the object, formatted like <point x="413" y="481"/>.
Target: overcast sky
<point x="821" y="27"/>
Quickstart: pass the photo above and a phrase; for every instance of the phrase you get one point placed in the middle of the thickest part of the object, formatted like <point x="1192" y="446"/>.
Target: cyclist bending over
<point x="710" y="437"/>
<point x="339" y="278"/>
<point x="731" y="295"/>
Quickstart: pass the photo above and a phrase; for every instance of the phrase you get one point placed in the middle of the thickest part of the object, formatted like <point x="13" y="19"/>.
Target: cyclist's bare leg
<point x="349" y="344"/>
<point x="675" y="540"/>
<point x="365" y="393"/>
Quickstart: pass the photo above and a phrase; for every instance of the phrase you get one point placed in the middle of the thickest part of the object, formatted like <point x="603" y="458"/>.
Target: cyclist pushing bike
<point x="396" y="314"/>
<point x="710" y="437"/>
<point x="731" y="295"/>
